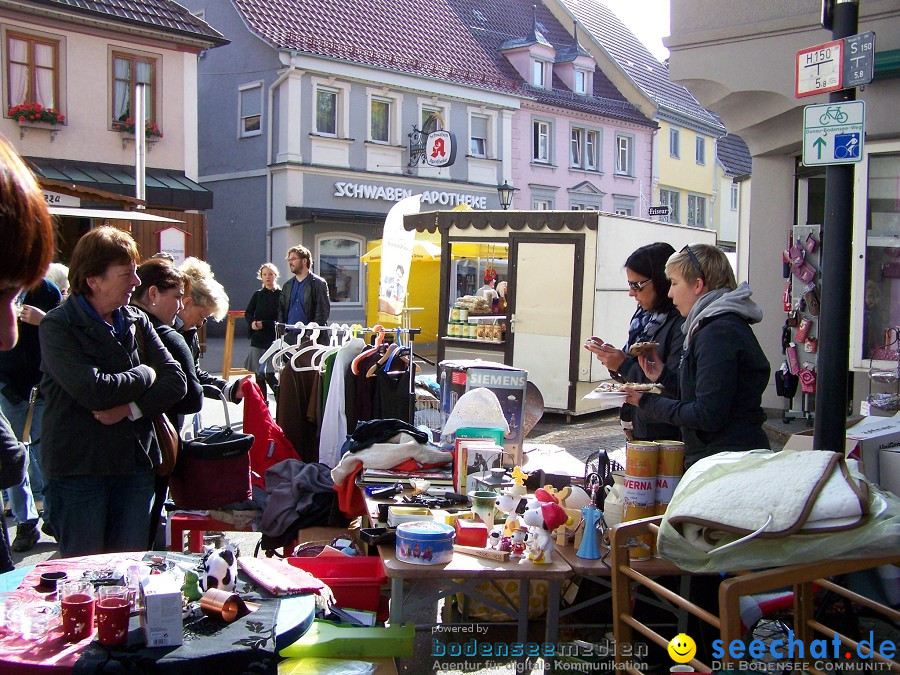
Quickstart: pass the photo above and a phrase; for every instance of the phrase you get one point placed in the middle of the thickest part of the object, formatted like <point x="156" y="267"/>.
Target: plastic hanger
<point x="385" y="358"/>
<point x="379" y="338"/>
<point x="278" y="355"/>
<point x="334" y="345"/>
<point x="315" y="331"/>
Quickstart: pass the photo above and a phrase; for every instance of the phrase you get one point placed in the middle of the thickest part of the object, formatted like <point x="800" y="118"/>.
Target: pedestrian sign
<point x="833" y="133"/>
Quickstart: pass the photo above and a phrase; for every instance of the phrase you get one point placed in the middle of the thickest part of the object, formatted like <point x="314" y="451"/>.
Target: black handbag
<point x="213" y="468"/>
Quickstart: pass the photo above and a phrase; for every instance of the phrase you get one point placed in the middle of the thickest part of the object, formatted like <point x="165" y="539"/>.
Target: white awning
<point x="107" y="213"/>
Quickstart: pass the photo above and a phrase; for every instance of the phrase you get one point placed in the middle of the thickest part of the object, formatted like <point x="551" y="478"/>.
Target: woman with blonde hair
<point x="261" y="315"/>
<point x="206" y="298"/>
<point x="724" y="371"/>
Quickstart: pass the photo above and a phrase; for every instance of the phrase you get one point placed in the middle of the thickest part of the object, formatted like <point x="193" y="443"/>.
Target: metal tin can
<point x="463" y="314"/>
<point x="425" y="543"/>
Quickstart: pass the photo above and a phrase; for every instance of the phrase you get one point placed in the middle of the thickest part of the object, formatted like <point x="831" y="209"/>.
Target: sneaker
<point x="47" y="529"/>
<point x="27" y="536"/>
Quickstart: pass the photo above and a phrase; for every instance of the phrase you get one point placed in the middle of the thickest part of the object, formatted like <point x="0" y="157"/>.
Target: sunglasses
<point x="638" y="285"/>
<point x="696" y="262"/>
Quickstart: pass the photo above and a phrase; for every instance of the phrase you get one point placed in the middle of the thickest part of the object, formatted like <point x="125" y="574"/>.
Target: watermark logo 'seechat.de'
<point x="682" y="649"/>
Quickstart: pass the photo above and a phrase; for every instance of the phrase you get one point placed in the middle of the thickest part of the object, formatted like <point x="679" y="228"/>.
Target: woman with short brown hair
<point x="106" y="374"/>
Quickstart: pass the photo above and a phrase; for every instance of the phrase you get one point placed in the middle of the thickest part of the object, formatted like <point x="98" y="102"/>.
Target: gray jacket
<point x="316" y="302"/>
<point x="85" y="369"/>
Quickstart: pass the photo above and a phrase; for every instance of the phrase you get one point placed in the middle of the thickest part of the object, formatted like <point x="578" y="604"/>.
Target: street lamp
<point x="506" y="194"/>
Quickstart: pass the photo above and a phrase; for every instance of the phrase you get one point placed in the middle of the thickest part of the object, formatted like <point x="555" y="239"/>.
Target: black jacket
<point x="175" y="344"/>
<point x="20" y="367"/>
<point x="316" y="302"/>
<point x="721" y="381"/>
<point x="85" y="369"/>
<point x="671" y="341"/>
<point x="263" y="307"/>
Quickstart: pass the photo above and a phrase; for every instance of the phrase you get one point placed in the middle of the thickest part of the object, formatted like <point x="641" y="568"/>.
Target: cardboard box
<point x="867" y="438"/>
<point x="889" y="470"/>
<point x="508" y="383"/>
<point x="161" y="616"/>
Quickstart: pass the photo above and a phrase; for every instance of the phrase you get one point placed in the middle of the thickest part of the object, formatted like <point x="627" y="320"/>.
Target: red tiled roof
<point x="164" y="15"/>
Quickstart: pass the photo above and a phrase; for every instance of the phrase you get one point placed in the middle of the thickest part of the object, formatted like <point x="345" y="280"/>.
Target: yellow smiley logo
<point x="682" y="648"/>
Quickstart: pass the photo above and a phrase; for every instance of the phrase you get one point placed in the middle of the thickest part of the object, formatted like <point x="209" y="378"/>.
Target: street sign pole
<point x="834" y="317"/>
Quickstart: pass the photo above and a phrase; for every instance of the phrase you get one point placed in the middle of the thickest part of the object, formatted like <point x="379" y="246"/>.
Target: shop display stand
<point x="798" y="290"/>
<point x="882" y="378"/>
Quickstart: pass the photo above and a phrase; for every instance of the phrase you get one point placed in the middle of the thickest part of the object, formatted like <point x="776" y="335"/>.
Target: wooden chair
<point x="803" y="578"/>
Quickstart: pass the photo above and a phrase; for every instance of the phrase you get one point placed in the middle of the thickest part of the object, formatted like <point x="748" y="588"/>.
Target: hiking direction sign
<point x="833" y="133"/>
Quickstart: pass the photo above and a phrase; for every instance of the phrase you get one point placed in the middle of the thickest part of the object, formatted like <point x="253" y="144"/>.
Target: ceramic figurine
<point x="493" y="540"/>
<point x="519" y="478"/>
<point x="589" y="549"/>
<point x="517" y="546"/>
<point x="508" y="502"/>
<point x="542" y="521"/>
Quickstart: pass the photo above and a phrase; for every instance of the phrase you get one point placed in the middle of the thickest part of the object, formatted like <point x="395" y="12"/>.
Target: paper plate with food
<point x="643" y="348"/>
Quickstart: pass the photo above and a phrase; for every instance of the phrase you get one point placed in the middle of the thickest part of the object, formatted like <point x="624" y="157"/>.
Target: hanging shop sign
<point x="392" y="193"/>
<point x="435" y="148"/>
<point x="174" y="240"/>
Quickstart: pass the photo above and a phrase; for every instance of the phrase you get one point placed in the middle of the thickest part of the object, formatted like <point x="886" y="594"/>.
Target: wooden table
<point x="463" y="573"/>
<point x="600" y="572"/>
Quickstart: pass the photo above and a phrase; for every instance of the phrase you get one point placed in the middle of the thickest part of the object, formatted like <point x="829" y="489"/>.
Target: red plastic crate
<point x="355" y="580"/>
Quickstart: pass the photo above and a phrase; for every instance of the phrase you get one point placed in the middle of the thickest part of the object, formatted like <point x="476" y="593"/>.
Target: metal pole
<point x="140" y="144"/>
<point x="834" y="317"/>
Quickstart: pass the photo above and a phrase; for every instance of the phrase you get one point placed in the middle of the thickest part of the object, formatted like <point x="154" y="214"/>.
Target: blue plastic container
<point x="425" y="542"/>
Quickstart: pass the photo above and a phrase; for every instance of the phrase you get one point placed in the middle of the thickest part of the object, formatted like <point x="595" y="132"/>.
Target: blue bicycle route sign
<point x="833" y="133"/>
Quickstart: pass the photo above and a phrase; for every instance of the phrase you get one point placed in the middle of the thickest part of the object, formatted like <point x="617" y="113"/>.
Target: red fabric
<point x="414" y="465"/>
<point x="270" y="445"/>
<point x="350" y="498"/>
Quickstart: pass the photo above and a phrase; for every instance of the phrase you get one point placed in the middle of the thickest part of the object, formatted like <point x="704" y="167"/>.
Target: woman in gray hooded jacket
<point x="723" y="370"/>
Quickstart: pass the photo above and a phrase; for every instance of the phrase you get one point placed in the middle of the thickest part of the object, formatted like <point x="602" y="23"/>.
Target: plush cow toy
<point x="220" y="569"/>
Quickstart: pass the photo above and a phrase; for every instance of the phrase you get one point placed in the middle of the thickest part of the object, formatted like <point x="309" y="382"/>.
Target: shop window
<point x="339" y="265"/>
<point x="672" y="199"/>
<point x="32" y="70"/>
<point x="541" y="142"/>
<point x="380" y="128"/>
<point x="624" y="155"/>
<point x="673" y="143"/>
<point x="129" y="70"/>
<point x="250" y="101"/>
<point x="696" y="211"/>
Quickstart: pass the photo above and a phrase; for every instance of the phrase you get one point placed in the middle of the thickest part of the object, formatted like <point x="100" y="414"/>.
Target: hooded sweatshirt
<point x="722" y="377"/>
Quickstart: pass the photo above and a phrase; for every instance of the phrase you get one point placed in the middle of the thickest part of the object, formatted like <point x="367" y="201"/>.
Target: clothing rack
<point x="282" y="328"/>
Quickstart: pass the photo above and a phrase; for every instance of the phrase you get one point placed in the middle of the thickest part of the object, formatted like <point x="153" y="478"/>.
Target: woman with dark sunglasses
<point x="655" y="320"/>
<point x="723" y="372"/>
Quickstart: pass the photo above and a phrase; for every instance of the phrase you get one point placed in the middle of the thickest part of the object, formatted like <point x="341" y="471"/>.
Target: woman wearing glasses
<point x="723" y="372"/>
<point x="656" y="320"/>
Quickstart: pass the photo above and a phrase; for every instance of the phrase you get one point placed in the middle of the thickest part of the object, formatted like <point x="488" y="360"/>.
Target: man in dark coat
<point x="304" y="298"/>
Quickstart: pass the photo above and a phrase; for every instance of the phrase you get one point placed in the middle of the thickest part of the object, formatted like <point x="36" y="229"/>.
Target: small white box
<point x="161" y="617"/>
<point x="874" y="435"/>
<point x="889" y="470"/>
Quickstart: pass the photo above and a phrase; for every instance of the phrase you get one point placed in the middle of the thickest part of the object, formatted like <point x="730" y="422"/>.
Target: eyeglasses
<point x="638" y="285"/>
<point x="696" y="262"/>
<point x="294" y="259"/>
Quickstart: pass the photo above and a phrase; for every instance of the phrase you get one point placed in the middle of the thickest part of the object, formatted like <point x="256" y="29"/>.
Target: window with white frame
<point x="539" y="74"/>
<point x="583" y="147"/>
<point x="672" y="199"/>
<point x="734" y="196"/>
<point x="250" y="110"/>
<point x="701" y="150"/>
<point x="432" y="119"/>
<point x="623" y="205"/>
<point x="674" y="150"/>
<point x="32" y="70"/>
<point x="478" y="135"/>
<point x="327" y="111"/>
<point x="380" y="120"/>
<point x="540" y="151"/>
<point x="696" y="211"/>
<point x="541" y="204"/>
<point x="339" y="265"/>
<point x="581" y="81"/>
<point x="624" y="155"/>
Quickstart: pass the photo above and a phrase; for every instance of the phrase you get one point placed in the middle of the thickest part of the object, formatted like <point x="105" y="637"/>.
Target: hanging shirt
<point x="295" y="310"/>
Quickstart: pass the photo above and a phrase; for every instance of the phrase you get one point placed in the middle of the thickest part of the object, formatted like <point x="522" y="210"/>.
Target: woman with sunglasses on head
<point x="723" y="372"/>
<point x="655" y="320"/>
